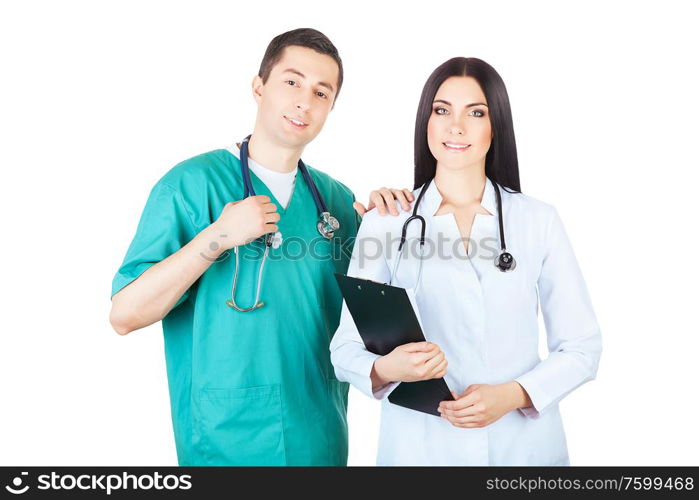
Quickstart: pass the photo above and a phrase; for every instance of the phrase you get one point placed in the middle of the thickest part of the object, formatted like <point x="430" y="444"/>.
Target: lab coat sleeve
<point x="352" y="361"/>
<point x="573" y="335"/>
<point x="165" y="226"/>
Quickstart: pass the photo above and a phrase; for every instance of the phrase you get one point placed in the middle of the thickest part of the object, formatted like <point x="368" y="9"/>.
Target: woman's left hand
<point x="482" y="404"/>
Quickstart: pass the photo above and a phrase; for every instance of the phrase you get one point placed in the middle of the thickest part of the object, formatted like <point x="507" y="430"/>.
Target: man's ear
<point x="257" y="87"/>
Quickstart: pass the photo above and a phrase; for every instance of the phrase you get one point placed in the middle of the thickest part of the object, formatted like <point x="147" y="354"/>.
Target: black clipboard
<point x="385" y="319"/>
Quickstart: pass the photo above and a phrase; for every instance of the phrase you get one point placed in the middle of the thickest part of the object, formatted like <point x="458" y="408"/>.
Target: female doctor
<point x="477" y="294"/>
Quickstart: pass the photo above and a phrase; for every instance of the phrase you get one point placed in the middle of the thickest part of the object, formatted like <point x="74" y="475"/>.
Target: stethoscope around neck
<point x="504" y="260"/>
<point x="327" y="225"/>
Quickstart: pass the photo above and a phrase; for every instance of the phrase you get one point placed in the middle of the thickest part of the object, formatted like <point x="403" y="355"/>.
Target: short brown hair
<point x="301" y="37"/>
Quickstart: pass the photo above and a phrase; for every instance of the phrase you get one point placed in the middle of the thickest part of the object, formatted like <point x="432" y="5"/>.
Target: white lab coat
<point x="485" y="321"/>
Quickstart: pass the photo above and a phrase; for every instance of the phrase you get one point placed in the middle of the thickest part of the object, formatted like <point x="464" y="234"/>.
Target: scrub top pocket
<point x="242" y="426"/>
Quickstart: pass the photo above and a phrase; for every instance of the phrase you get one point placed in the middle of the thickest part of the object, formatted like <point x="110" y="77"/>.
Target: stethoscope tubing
<point x="326" y="227"/>
<point x="504" y="261"/>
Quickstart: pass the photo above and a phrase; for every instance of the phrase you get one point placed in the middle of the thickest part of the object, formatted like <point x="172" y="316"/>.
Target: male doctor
<point x="257" y="387"/>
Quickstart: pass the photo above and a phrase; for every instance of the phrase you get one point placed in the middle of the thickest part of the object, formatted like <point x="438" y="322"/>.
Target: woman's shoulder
<point x="527" y="205"/>
<point x="386" y="224"/>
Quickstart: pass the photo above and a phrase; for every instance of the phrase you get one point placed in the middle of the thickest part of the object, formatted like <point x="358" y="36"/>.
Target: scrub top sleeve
<point x="352" y="361"/>
<point x="357" y="217"/>
<point x="164" y="228"/>
<point x="573" y="334"/>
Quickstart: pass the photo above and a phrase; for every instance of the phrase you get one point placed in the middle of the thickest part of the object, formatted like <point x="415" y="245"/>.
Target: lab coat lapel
<point x="484" y="233"/>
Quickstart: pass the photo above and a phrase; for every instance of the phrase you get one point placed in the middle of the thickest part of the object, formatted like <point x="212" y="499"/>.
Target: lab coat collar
<point x="433" y="199"/>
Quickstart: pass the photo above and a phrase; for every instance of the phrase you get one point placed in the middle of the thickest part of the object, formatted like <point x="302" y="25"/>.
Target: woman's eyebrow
<point x="468" y="105"/>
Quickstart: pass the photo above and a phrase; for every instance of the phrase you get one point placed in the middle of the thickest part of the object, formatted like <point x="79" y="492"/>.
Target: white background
<point x="99" y="99"/>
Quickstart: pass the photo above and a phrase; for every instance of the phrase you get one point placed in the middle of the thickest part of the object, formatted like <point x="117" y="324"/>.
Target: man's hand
<point x="411" y="362"/>
<point x="483" y="404"/>
<point x="383" y="200"/>
<point x="245" y="220"/>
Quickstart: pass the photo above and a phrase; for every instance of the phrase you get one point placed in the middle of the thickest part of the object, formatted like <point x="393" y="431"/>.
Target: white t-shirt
<point x="280" y="184"/>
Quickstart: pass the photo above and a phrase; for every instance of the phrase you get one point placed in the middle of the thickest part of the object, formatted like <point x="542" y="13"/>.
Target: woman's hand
<point x="410" y="363"/>
<point x="483" y="404"/>
<point x="383" y="199"/>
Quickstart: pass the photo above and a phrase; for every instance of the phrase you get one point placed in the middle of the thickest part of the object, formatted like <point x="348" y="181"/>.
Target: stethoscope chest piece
<point x="327" y="225"/>
<point x="505" y="262"/>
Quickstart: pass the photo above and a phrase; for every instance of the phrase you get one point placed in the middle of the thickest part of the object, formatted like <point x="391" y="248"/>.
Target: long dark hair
<point x="501" y="164"/>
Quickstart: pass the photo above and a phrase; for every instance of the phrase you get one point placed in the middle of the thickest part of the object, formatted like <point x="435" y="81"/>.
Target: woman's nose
<point x="456" y="129"/>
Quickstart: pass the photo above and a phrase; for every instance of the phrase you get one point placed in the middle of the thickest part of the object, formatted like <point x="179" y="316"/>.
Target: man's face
<point x="298" y="95"/>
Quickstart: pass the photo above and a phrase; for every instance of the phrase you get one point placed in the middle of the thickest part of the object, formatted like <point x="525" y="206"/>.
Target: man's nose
<point x="303" y="104"/>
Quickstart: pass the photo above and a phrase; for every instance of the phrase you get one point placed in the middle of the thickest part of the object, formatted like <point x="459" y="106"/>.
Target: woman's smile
<point x="455" y="146"/>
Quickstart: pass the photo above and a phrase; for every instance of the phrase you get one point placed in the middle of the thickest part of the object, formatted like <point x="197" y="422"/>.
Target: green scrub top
<point x="250" y="388"/>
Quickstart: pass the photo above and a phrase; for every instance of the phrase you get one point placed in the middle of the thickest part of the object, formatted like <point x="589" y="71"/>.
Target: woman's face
<point x="459" y="131"/>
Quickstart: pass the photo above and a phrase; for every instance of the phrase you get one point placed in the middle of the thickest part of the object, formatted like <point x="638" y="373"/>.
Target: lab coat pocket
<point x="242" y="426"/>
